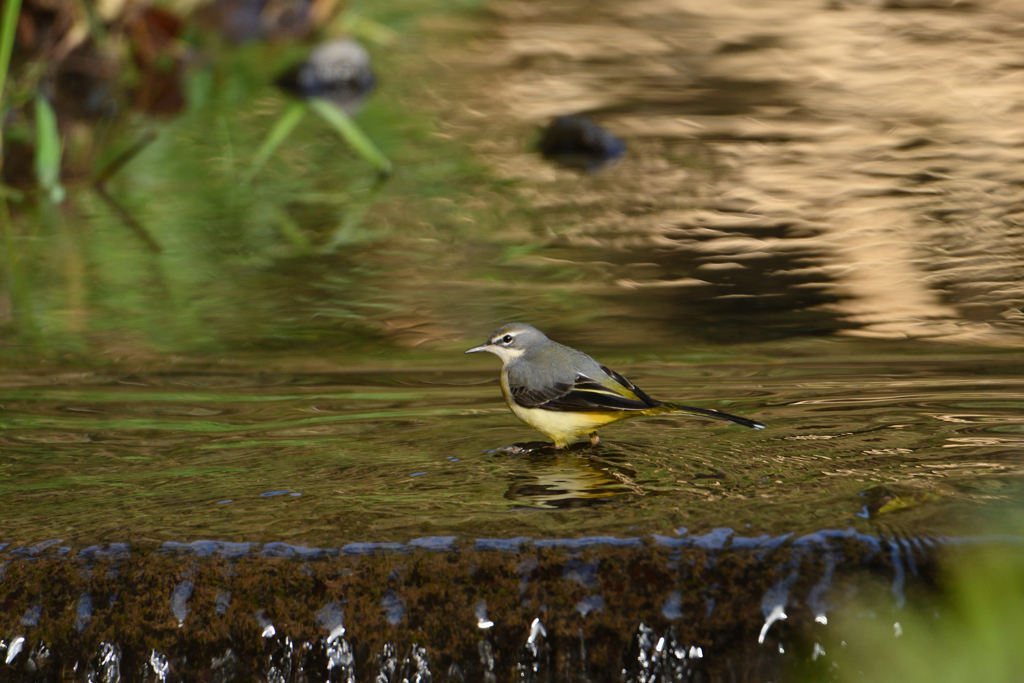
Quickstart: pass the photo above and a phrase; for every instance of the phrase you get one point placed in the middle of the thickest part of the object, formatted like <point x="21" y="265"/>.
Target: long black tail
<point x="712" y="414"/>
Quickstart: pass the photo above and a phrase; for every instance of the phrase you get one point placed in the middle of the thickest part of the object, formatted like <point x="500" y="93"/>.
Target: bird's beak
<point x="478" y="349"/>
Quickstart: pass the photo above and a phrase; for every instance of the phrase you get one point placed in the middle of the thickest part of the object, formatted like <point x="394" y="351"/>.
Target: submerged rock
<point x="577" y="142"/>
<point x="338" y="71"/>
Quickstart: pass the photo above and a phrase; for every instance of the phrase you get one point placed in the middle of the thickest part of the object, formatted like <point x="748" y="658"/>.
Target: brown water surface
<point x="817" y="224"/>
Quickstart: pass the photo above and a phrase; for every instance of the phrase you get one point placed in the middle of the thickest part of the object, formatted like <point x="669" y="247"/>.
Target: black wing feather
<point x="583" y="395"/>
<point x="651" y="403"/>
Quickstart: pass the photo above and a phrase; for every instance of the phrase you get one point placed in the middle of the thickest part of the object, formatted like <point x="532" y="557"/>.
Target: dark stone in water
<point x="338" y="71"/>
<point x="577" y="142"/>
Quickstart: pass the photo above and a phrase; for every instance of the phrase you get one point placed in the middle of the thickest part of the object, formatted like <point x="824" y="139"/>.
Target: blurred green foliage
<point x="178" y="254"/>
<point x="49" y="150"/>
<point x="972" y="630"/>
<point x="8" y="24"/>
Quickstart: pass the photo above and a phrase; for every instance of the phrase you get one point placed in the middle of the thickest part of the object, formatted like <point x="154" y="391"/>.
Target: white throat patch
<point x="506" y="355"/>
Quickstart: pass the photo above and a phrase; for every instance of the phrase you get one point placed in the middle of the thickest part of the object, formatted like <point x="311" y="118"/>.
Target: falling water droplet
<point x="481" y="615"/>
<point x="222" y="602"/>
<point x="14" y="648"/>
<point x="387" y="664"/>
<point x="32" y="616"/>
<point x="279" y="661"/>
<point x="179" y="601"/>
<point x="416" y="667"/>
<point x="591" y="603"/>
<point x="534" y="658"/>
<point x="37" y="659"/>
<point x="265" y="623"/>
<point x="673" y="607"/>
<point x="778" y="613"/>
<point x="394" y="610"/>
<point x="899" y="578"/>
<point x="331" y="618"/>
<point x="643" y="660"/>
<point x="158" y="665"/>
<point x="105" y="665"/>
<point x="83" y="612"/>
<point x="486" y="652"/>
<point x="225" y="667"/>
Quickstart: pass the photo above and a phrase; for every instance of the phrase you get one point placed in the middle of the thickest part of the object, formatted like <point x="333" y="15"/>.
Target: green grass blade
<point x="285" y="125"/>
<point x="48" y="150"/>
<point x="7" y="26"/>
<point x="351" y="23"/>
<point x="351" y="133"/>
<point x="347" y="231"/>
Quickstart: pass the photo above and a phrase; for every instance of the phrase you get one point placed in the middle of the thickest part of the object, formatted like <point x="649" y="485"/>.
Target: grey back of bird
<point x="545" y="363"/>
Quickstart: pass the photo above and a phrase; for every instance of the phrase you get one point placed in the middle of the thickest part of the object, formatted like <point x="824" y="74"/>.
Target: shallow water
<point x="386" y="455"/>
<point x="809" y="228"/>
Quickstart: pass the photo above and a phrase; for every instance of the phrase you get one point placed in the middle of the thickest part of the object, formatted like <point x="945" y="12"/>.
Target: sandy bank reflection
<point x="805" y="169"/>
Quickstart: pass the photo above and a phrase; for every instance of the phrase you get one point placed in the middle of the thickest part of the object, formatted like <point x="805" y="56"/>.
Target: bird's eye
<point x="507" y="339"/>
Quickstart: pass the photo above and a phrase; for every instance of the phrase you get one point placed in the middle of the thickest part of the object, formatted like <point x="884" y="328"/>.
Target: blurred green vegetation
<point x="176" y="253"/>
<point x="971" y="630"/>
<point x="8" y="24"/>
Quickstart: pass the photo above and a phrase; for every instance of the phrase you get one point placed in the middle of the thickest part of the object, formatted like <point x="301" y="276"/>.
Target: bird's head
<point x="510" y="341"/>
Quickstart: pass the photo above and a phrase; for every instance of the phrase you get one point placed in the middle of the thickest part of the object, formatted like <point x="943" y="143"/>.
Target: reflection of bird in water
<point x="338" y="71"/>
<point x="565" y="394"/>
<point x="567" y="482"/>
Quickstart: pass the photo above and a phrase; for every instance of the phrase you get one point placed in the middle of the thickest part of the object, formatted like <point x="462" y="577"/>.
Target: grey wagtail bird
<point x="565" y="394"/>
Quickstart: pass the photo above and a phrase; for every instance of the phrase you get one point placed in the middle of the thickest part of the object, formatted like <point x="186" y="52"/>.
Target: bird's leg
<point x="594" y="439"/>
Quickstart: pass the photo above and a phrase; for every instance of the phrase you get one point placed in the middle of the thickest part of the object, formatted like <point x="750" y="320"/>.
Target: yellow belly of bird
<point x="563" y="428"/>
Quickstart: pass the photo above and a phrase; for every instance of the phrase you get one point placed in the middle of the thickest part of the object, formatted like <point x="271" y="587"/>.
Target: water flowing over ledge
<point x="676" y="608"/>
